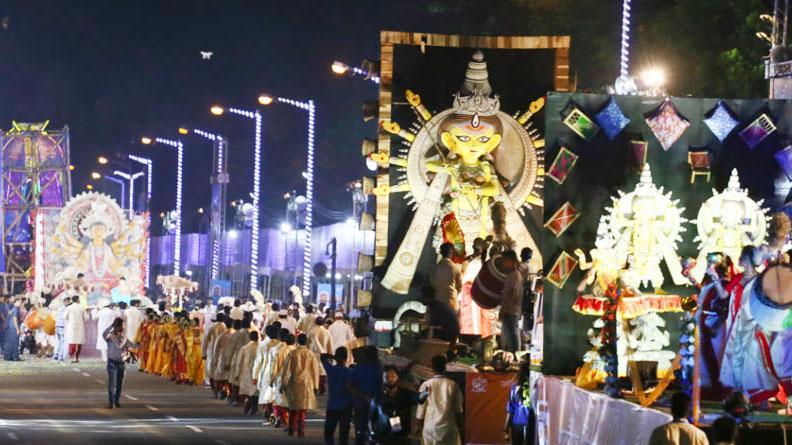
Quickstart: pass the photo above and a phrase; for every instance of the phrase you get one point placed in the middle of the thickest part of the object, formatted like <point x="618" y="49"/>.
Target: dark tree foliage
<point x="708" y="48"/>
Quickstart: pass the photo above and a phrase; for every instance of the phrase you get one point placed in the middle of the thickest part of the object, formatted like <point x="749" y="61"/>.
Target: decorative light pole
<point x="149" y="169"/>
<point x="625" y="84"/>
<point x="310" y="107"/>
<point x="131" y="179"/>
<point x="179" y="146"/>
<point x="219" y="180"/>
<point x="121" y="184"/>
<point x="255" y="116"/>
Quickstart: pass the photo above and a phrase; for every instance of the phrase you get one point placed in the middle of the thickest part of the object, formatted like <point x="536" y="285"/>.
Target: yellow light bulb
<point x="339" y="67"/>
<point x="265" y="99"/>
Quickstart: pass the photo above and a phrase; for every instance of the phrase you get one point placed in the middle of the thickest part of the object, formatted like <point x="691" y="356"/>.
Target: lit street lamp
<point x="255" y="116"/>
<point x="367" y="71"/>
<point x="131" y="178"/>
<point x="310" y="107"/>
<point x="177" y="144"/>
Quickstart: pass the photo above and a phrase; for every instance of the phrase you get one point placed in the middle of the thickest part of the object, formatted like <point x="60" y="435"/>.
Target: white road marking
<point x="76" y="369"/>
<point x="152" y="408"/>
<point x="172" y="419"/>
<point x="194" y="428"/>
<point x="101" y="382"/>
<point x="12" y="436"/>
<point x="130" y="397"/>
<point x="86" y="374"/>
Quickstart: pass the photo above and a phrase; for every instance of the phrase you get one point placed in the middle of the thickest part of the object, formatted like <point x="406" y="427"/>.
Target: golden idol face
<point x="98" y="231"/>
<point x="470" y="139"/>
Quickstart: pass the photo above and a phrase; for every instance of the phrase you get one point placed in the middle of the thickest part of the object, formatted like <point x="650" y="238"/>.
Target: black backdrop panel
<point x="601" y="170"/>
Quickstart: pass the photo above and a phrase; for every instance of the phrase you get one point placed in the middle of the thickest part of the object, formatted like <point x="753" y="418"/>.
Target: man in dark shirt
<point x="391" y="410"/>
<point x="365" y="385"/>
<point x="339" y="399"/>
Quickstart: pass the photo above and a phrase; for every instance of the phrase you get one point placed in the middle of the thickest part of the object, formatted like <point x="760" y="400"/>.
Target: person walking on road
<point x="117" y="349"/>
<point x="75" y="318"/>
<point x="339" y="398"/>
<point x="440" y="417"/>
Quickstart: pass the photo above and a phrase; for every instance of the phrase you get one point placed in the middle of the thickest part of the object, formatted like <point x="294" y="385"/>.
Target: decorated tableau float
<point x="658" y="227"/>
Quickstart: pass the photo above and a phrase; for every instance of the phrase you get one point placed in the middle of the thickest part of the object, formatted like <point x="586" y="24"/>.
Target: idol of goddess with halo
<point x="93" y="237"/>
<point x="459" y="163"/>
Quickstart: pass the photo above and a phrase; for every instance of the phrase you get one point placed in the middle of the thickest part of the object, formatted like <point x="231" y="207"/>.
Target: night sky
<point x="115" y="70"/>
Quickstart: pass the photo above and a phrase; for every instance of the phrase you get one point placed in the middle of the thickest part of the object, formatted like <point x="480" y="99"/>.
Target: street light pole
<point x="331" y="251"/>
<point x="179" y="146"/>
<point x="218" y="205"/>
<point x="254" y="235"/>
<point x="310" y="107"/>
<point x="131" y="178"/>
<point x="149" y="181"/>
<point x="122" y="184"/>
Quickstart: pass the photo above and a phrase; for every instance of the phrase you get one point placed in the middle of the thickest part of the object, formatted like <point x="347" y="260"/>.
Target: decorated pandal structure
<point x="93" y="250"/>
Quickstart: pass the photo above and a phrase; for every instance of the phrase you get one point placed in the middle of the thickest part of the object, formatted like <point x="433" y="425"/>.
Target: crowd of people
<point x="273" y="361"/>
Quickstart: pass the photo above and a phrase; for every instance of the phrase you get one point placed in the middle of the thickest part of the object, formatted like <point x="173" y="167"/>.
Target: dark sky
<point x="115" y="70"/>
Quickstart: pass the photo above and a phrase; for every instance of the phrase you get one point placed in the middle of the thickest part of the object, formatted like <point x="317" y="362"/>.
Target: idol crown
<point x="477" y="103"/>
<point x="97" y="215"/>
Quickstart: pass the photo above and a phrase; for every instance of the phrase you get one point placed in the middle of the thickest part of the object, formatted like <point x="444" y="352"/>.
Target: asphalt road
<point x="43" y="402"/>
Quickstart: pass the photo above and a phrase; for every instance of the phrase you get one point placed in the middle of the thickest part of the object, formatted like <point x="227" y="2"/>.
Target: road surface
<point x="44" y="402"/>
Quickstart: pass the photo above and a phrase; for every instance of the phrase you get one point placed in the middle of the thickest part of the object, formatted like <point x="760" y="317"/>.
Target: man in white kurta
<point x="341" y="332"/>
<point x="75" y="318"/>
<point x="287" y="322"/>
<point x="104" y="318"/>
<point x="265" y="374"/>
<point x="207" y="351"/>
<point x="133" y="318"/>
<point x="440" y="415"/>
<point x="307" y="321"/>
<point x="280" y="403"/>
<point x="319" y="343"/>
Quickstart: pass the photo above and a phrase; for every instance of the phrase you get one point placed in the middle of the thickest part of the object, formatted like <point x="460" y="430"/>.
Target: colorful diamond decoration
<point x="667" y="124"/>
<point x="562" y="219"/>
<point x="784" y="159"/>
<point x="758" y="130"/>
<point x="581" y="124"/>
<point x="562" y="269"/>
<point x="721" y="121"/>
<point x="562" y="165"/>
<point x="636" y="158"/>
<point x="611" y="119"/>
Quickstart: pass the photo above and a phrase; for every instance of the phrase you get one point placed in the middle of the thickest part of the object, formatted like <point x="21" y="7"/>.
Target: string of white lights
<point x="179" y="178"/>
<point x="149" y="182"/>
<point x="625" y="39"/>
<point x="123" y="188"/>
<point x="309" y="185"/>
<point x="220" y="153"/>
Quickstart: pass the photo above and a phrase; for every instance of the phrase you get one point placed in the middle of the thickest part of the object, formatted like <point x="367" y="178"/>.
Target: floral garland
<point x="607" y="350"/>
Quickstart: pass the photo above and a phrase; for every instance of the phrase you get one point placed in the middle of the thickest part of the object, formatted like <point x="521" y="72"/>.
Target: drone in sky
<point x="206" y="55"/>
